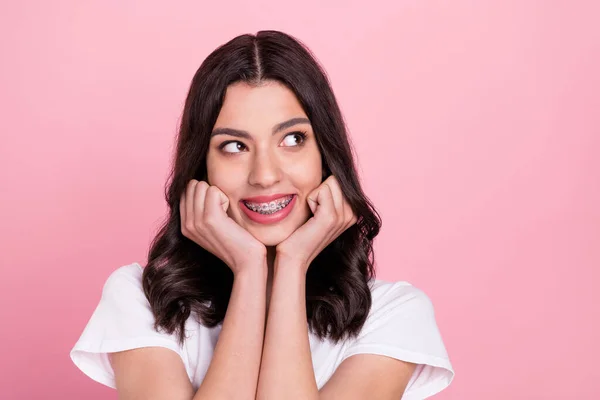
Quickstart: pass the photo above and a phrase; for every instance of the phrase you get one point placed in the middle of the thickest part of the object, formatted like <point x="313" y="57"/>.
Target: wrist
<point x="252" y="270"/>
<point x="252" y="259"/>
<point x="255" y="264"/>
<point x="289" y="262"/>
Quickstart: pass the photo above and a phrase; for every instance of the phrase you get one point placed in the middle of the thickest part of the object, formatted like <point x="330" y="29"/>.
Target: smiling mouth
<point x="270" y="207"/>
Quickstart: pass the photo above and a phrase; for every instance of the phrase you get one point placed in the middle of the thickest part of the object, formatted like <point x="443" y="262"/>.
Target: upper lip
<point x="266" y="198"/>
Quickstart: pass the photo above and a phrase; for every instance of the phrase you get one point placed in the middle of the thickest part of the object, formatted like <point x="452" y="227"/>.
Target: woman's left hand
<point x="332" y="216"/>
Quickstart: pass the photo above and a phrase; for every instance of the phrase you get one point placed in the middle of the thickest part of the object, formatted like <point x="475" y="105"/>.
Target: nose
<point x="264" y="171"/>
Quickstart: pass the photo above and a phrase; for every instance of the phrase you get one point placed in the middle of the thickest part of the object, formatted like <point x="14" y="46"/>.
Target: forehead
<point x="261" y="106"/>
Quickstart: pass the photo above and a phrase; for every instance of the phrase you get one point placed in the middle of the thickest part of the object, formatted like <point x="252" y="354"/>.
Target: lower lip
<point x="270" y="218"/>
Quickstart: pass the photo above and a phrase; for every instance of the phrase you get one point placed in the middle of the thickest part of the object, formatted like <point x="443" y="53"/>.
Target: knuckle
<point x="330" y="219"/>
<point x="190" y="226"/>
<point x="210" y="193"/>
<point x="210" y="221"/>
<point x="210" y="189"/>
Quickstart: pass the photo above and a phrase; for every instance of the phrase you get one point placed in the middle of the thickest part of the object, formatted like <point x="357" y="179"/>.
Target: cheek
<point x="220" y="174"/>
<point x="305" y="175"/>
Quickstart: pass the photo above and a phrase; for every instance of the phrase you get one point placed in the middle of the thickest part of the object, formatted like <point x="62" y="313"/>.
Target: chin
<point x="270" y="236"/>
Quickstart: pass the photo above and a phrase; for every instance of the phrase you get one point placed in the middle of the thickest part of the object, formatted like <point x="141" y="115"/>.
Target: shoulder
<point x="402" y="325"/>
<point x="402" y="316"/>
<point x="122" y="320"/>
<point x="380" y="286"/>
<point x="123" y="290"/>
<point x="125" y="282"/>
<point x="399" y="296"/>
<point x="129" y="275"/>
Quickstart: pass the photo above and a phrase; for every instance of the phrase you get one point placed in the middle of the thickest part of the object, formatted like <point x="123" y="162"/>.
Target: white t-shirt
<point x="401" y="324"/>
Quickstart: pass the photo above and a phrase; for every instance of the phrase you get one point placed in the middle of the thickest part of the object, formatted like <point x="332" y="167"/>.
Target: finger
<point x="338" y="197"/>
<point x="199" y="198"/>
<point x="311" y="199"/>
<point x="182" y="212"/>
<point x="325" y="211"/>
<point x="347" y="220"/>
<point x="351" y="217"/>
<point x="189" y="201"/>
<point x="224" y="201"/>
<point x="216" y="202"/>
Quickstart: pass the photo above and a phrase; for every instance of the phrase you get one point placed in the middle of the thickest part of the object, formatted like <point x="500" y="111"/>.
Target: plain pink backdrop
<point x="477" y="129"/>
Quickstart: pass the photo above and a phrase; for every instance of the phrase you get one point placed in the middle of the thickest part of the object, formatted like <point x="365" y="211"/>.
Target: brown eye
<point x="294" y="139"/>
<point x="232" y="147"/>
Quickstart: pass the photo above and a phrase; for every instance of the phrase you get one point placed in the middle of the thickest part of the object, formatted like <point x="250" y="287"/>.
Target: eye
<point x="294" y="139"/>
<point x="232" y="147"/>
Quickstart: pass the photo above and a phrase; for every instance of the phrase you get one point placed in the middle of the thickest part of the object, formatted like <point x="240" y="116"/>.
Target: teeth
<point x="270" y="207"/>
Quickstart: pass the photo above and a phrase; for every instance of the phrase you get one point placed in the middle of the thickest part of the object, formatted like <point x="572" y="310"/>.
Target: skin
<point x="269" y="262"/>
<point x="264" y="163"/>
<point x="267" y="163"/>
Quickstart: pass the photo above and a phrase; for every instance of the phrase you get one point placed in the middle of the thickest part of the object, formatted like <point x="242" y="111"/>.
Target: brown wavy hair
<point x="181" y="277"/>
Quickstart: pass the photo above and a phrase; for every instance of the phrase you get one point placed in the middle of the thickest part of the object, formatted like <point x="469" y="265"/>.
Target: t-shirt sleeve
<point x="121" y="321"/>
<point x="402" y="325"/>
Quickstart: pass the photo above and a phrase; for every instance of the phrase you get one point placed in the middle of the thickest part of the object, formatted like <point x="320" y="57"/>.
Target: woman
<point x="261" y="282"/>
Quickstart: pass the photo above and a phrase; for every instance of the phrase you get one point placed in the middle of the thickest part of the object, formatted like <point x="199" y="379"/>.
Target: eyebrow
<point x="245" y="135"/>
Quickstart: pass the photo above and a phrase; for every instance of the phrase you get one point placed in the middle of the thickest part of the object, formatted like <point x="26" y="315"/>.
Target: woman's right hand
<point x="204" y="220"/>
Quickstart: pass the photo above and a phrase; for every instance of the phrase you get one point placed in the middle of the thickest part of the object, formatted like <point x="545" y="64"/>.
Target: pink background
<point x="477" y="126"/>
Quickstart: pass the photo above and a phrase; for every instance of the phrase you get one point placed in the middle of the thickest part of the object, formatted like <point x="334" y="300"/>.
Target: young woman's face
<point x="264" y="156"/>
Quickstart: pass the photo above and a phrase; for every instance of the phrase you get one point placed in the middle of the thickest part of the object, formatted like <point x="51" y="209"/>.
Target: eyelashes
<point x="301" y="134"/>
<point x="228" y="142"/>
<point x="236" y="146"/>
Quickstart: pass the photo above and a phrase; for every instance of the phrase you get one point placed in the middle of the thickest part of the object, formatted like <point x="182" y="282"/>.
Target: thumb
<point x="215" y="198"/>
<point x="224" y="201"/>
<point x="312" y="199"/>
